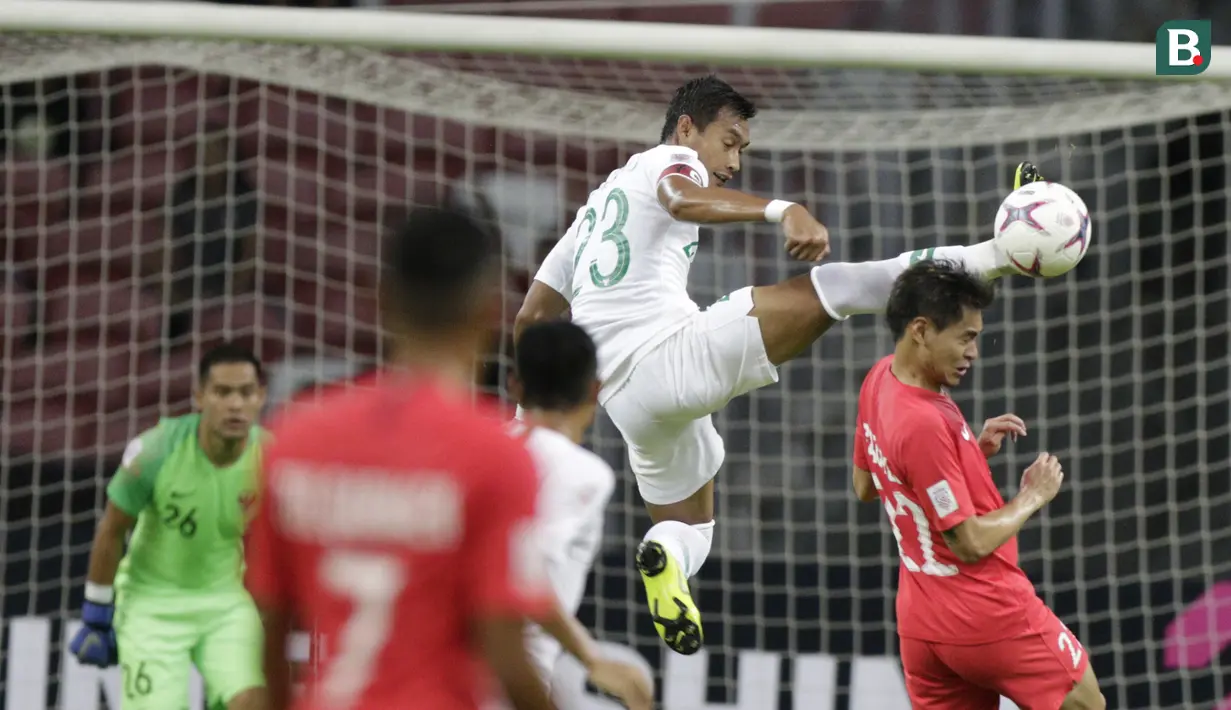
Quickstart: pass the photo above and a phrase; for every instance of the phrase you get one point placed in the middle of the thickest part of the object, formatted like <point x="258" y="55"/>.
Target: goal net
<point x="163" y="195"/>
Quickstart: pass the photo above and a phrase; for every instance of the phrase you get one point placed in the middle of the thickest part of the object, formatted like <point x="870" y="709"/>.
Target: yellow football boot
<point x="674" y="613"/>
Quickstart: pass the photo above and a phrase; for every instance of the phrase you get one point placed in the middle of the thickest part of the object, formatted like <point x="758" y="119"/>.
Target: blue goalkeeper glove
<point x="94" y="643"/>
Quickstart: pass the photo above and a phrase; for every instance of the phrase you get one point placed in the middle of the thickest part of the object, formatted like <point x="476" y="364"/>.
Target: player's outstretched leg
<point x="847" y="289"/>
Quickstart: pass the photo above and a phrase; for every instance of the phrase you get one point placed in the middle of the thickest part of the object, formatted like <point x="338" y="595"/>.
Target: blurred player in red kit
<point x="397" y="520"/>
<point x="971" y="626"/>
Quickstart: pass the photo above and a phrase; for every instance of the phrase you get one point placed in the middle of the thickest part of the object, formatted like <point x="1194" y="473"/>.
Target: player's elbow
<point x="865" y="489"/>
<point x="114" y="525"/>
<point x="966" y="544"/>
<point x="966" y="554"/>
<point x="527" y="316"/>
<point x="677" y="206"/>
<point x="681" y="198"/>
<point x="542" y="304"/>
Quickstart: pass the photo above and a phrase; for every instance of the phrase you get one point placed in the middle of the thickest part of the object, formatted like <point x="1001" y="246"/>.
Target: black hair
<point x="702" y="100"/>
<point x="557" y="365"/>
<point x="228" y="354"/>
<point x="434" y="265"/>
<point x="938" y="290"/>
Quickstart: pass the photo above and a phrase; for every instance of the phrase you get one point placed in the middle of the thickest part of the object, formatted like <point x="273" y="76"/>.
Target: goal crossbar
<point x="333" y="52"/>
<point x="593" y="39"/>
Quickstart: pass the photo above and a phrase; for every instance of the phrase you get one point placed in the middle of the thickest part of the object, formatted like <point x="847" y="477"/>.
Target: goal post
<point x="131" y="127"/>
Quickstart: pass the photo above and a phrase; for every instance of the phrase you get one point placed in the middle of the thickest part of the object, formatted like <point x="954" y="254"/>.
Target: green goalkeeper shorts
<point x="158" y="645"/>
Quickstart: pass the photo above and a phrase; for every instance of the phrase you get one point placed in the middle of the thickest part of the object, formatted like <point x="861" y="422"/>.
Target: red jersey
<point x="390" y="519"/>
<point x="931" y="475"/>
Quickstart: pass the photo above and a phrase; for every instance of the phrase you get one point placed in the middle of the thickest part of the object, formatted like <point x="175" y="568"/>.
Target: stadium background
<point x="117" y="272"/>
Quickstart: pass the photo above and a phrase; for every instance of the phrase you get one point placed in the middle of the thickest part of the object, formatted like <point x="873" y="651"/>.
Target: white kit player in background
<point x="666" y="365"/>
<point x="557" y="386"/>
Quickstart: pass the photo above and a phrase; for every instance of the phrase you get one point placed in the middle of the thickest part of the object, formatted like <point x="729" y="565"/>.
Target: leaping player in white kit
<point x="666" y="365"/>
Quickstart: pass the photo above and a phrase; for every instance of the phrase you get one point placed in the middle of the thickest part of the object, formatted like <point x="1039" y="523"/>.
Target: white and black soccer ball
<point x="1043" y="229"/>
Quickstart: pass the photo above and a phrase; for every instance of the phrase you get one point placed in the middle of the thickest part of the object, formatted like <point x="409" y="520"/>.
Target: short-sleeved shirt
<point x="191" y="515"/>
<point x="623" y="263"/>
<point x="931" y="475"/>
<point x="391" y="519"/>
<point x="575" y="486"/>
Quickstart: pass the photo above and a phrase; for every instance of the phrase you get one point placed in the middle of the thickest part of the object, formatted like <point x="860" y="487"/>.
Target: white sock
<point x="983" y="258"/>
<point x="688" y="544"/>
<point x="847" y="289"/>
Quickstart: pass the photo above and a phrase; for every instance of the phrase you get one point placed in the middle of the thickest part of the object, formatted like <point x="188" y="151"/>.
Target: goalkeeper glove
<point x="94" y="643"/>
<point x="1025" y="174"/>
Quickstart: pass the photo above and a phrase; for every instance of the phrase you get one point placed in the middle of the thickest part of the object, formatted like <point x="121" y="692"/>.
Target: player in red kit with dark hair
<point x="971" y="626"/>
<point x="397" y="520"/>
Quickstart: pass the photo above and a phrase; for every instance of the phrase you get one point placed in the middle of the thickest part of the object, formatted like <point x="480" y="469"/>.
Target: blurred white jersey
<point x="623" y="264"/>
<point x="575" y="487"/>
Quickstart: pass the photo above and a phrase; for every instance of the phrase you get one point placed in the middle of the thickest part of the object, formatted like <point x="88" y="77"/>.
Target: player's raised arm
<point x="979" y="536"/>
<point x="806" y="238"/>
<point x="937" y="475"/>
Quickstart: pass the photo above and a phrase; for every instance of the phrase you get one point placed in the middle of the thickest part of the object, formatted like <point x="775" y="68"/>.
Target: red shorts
<point x="1035" y="670"/>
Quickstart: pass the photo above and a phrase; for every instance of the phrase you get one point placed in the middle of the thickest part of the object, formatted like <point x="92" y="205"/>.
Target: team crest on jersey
<point x="684" y="169"/>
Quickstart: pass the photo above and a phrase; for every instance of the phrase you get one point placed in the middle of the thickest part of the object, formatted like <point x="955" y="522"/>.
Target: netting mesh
<point x="160" y="196"/>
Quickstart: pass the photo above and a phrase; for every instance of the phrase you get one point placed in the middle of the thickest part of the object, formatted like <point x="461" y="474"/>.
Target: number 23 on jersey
<point x="613" y="218"/>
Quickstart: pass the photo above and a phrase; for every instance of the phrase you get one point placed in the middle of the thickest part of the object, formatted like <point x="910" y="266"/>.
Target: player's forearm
<point x="105" y="558"/>
<point x="503" y="644"/>
<point x="715" y="205"/>
<point x="984" y="534"/>
<point x="571" y="634"/>
<point x="108" y="547"/>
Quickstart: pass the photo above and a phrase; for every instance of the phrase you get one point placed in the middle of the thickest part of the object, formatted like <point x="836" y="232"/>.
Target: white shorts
<point x="663" y="409"/>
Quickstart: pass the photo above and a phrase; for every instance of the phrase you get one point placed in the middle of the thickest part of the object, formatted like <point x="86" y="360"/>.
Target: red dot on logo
<point x="1198" y="60"/>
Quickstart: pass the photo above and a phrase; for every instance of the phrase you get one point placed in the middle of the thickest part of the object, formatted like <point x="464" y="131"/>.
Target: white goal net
<point x="158" y="196"/>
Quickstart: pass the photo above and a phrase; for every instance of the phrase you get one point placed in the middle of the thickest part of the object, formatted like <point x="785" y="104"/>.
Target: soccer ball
<point x="1043" y="228"/>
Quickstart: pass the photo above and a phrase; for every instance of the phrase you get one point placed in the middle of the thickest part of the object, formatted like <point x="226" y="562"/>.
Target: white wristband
<point x="776" y="209"/>
<point x="99" y="593"/>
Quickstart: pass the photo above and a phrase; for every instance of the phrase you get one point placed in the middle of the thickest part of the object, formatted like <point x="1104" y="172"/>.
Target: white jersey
<point x="623" y="264"/>
<point x="575" y="486"/>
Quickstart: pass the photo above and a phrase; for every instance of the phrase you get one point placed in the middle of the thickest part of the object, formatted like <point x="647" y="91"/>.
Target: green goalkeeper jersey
<point x="191" y="515"/>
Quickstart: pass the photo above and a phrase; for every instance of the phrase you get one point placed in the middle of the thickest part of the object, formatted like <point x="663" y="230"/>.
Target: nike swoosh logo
<point x="179" y="494"/>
